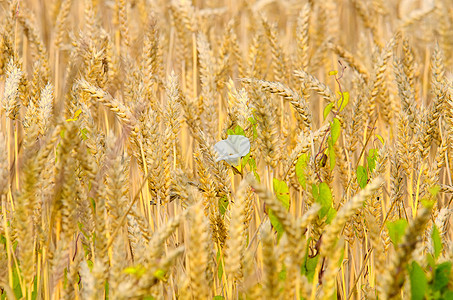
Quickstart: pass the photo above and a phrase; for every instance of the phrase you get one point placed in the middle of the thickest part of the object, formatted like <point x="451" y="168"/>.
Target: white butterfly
<point x="232" y="149"/>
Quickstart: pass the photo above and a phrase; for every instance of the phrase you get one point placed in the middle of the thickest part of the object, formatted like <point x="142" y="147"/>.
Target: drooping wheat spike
<point x="25" y="20"/>
<point x="351" y="60"/>
<point x="277" y="208"/>
<point x="395" y="275"/>
<point x="417" y="16"/>
<point x="119" y="109"/>
<point x="159" y="237"/>
<point x="10" y="101"/>
<point x="313" y="83"/>
<point x="303" y="146"/>
<point x="148" y="283"/>
<point x="298" y="103"/>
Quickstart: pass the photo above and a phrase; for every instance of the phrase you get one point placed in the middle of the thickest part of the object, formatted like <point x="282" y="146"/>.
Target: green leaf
<point x="253" y="121"/>
<point x="437" y="242"/>
<point x="418" y="281"/>
<point x="334" y="72"/>
<point x="372" y="158"/>
<point x="427" y="203"/>
<point x="16" y="285"/>
<point x="332" y="156"/>
<point x="430" y="260"/>
<point x="237" y="131"/>
<point x="159" y="274"/>
<point x="335" y="128"/>
<point x="442" y="275"/>
<point x="218" y="298"/>
<point x="276" y="223"/>
<point x="84" y="133"/>
<point x="343" y="101"/>
<point x="220" y="268"/>
<point x="281" y="191"/>
<point x="331" y="213"/>
<point x="434" y="190"/>
<point x="90" y="265"/>
<point x="448" y="295"/>
<point x="323" y="195"/>
<point x="75" y="117"/>
<point x="380" y="138"/>
<point x="362" y="176"/>
<point x="301" y="169"/>
<point x="315" y="191"/>
<point x="396" y="230"/>
<point x="223" y="205"/>
<point x="308" y="267"/>
<point x="138" y="270"/>
<point x="282" y="274"/>
<point x="327" y="110"/>
<point x="257" y="176"/>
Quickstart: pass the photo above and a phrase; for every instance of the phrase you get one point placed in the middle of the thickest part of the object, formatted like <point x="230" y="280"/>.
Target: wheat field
<point x="112" y="184"/>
